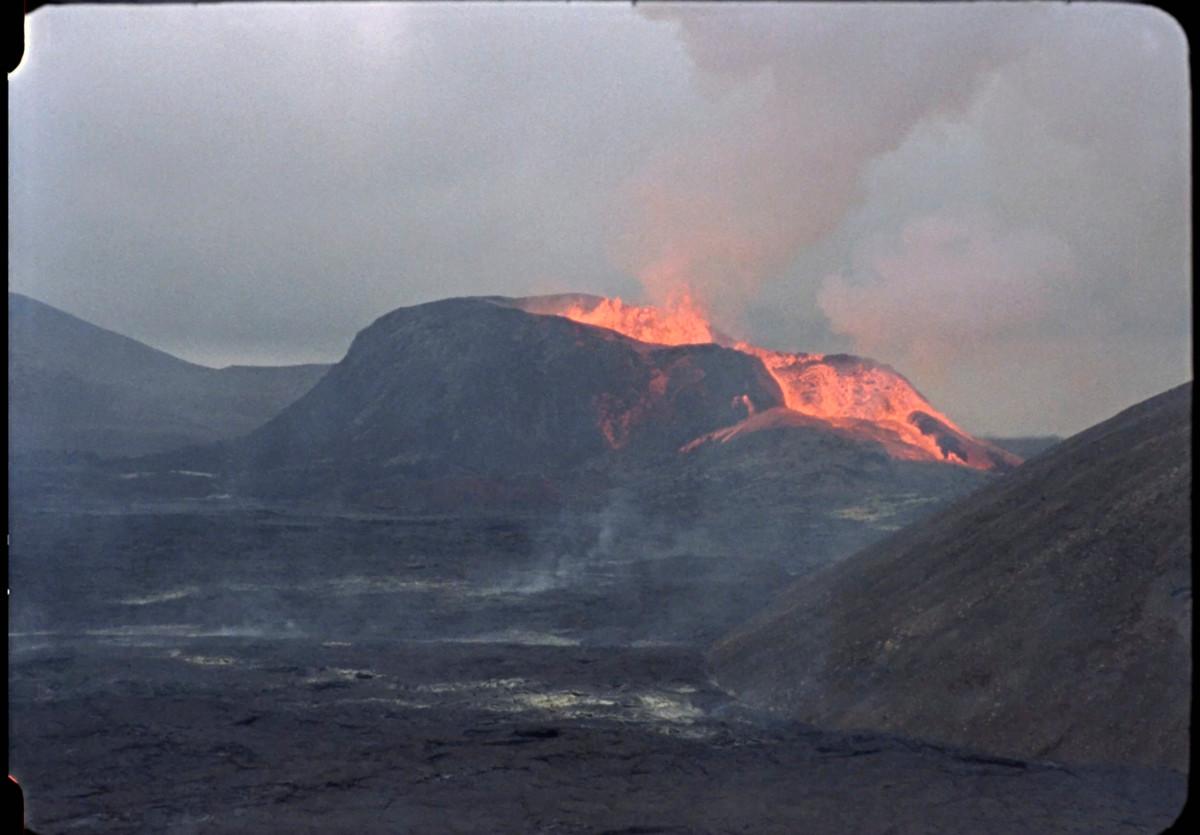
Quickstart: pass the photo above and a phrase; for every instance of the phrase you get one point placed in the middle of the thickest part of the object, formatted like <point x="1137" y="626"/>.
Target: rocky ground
<point x="265" y="672"/>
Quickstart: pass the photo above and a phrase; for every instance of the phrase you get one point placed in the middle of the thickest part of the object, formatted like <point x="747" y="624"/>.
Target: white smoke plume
<point x="947" y="187"/>
<point x="946" y="282"/>
<point x="807" y="96"/>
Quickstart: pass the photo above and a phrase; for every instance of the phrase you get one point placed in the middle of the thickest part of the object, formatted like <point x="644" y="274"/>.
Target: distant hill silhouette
<point x="1047" y="615"/>
<point x="75" y="387"/>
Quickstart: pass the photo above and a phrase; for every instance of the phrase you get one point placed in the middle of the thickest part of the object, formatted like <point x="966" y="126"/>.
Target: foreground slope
<point x="1047" y="615"/>
<point x="75" y="387"/>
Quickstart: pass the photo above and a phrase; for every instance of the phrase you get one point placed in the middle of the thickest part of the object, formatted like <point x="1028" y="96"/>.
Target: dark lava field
<point x="193" y="668"/>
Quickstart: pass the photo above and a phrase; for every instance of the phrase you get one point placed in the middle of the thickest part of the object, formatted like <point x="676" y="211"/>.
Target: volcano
<point x="480" y="386"/>
<point x="1047" y="615"/>
<point x="544" y="386"/>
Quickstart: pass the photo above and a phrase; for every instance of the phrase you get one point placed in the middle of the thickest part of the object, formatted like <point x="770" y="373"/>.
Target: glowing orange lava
<point x="859" y="390"/>
<point x="853" y="395"/>
<point x="682" y="324"/>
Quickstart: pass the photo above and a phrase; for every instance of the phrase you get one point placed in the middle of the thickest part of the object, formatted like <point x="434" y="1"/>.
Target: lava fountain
<point x="682" y="323"/>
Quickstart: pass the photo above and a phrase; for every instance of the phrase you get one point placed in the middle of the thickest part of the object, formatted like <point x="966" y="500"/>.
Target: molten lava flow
<point x="852" y="389"/>
<point x="853" y="395"/>
<point x="681" y="324"/>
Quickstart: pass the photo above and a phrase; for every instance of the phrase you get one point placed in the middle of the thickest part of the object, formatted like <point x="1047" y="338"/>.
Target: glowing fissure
<point x="855" y="396"/>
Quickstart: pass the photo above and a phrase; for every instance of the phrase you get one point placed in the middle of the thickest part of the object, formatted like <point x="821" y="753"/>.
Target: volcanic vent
<point x="854" y="396"/>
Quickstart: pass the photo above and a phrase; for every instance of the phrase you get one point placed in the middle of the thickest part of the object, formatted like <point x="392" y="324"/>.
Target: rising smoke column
<point x="1047" y="144"/>
<point x="806" y="96"/>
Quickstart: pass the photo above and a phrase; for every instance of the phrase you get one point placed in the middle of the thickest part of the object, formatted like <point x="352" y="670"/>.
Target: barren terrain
<point x="252" y="670"/>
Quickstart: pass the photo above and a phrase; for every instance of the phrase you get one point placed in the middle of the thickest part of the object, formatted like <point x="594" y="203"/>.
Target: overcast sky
<point x="994" y="199"/>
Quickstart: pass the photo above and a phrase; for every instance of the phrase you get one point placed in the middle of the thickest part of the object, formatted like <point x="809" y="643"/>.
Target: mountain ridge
<point x="78" y="387"/>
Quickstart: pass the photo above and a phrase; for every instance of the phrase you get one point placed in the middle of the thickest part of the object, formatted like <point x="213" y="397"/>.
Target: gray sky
<point x="994" y="199"/>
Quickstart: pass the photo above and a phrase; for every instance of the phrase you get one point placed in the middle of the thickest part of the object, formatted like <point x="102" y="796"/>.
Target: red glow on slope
<point x="863" y="392"/>
<point x="854" y="396"/>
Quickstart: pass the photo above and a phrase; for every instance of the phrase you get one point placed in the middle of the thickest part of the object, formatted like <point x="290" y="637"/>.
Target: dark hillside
<point x="75" y="387"/>
<point x="1047" y="615"/>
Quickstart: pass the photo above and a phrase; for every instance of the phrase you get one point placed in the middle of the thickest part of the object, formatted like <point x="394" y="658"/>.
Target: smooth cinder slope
<point x="476" y="386"/>
<point x="75" y="387"/>
<point x="1025" y="446"/>
<point x="1047" y="615"/>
